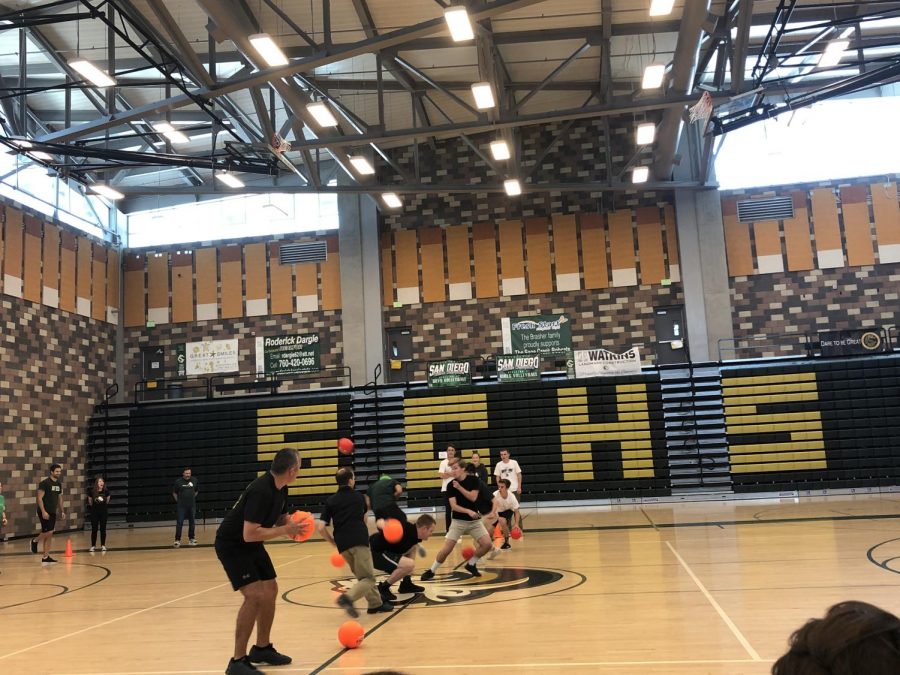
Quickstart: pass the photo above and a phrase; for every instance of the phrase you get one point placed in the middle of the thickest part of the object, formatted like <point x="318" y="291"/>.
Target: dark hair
<point x="343" y="476"/>
<point x="187" y="468"/>
<point x="854" y="638"/>
<point x="424" y="521"/>
<point x="284" y="460"/>
<point x="95" y="488"/>
<point x="505" y="482"/>
<point x="54" y="467"/>
<point x="470" y="468"/>
<point x="475" y="454"/>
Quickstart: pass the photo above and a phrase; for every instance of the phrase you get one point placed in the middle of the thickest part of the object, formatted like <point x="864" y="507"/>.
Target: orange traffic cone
<point x="498" y="533"/>
<point x="69" y="553"/>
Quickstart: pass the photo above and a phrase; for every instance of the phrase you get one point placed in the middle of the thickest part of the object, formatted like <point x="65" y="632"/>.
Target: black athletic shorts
<point x="244" y="564"/>
<point x="386" y="561"/>
<point x="506" y="514"/>
<point x="391" y="511"/>
<point x="49" y="524"/>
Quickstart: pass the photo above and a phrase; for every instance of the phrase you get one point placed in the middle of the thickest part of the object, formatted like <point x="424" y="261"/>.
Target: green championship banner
<point x="546" y="334"/>
<point x="518" y="367"/>
<point x="449" y="373"/>
<point x="288" y="355"/>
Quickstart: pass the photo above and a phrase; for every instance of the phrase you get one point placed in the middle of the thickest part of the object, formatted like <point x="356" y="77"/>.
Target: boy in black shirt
<point x="462" y="493"/>
<point x="398" y="559"/>
<point x="347" y="508"/>
<point x="260" y="514"/>
<point x="49" y="501"/>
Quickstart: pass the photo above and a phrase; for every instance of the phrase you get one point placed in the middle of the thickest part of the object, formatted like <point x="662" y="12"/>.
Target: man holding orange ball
<point x="260" y="514"/>
<point x="396" y="555"/>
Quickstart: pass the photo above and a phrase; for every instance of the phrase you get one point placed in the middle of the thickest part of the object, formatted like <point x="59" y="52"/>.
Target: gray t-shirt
<point x="185" y="490"/>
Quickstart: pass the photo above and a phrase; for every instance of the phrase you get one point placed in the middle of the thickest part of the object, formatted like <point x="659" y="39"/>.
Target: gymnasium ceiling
<point x="392" y="76"/>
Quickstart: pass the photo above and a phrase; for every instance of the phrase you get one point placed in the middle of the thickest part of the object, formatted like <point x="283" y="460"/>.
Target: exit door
<point x="671" y="335"/>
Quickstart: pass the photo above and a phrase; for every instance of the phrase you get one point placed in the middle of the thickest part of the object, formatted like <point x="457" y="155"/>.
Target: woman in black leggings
<point x="98" y="500"/>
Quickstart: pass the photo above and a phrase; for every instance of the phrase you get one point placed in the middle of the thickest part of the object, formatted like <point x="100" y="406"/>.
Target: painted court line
<point x="728" y="622"/>
<point x="448" y="666"/>
<point x="131" y="614"/>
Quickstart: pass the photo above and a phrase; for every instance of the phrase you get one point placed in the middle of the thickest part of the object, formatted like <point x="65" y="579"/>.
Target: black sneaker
<point x="427" y="575"/>
<point x="34" y="545"/>
<point x="47" y="560"/>
<point x="407" y="586"/>
<point x="505" y="545"/>
<point x="344" y="603"/>
<point x="385" y="607"/>
<point x="385" y="591"/>
<point x="268" y="654"/>
<point x="241" y="667"/>
<point x="471" y="569"/>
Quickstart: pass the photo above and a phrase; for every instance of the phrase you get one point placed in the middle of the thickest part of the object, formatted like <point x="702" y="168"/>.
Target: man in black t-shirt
<point x="260" y="514"/>
<point x="462" y="493"/>
<point x="347" y="509"/>
<point x="398" y="559"/>
<point x="49" y="502"/>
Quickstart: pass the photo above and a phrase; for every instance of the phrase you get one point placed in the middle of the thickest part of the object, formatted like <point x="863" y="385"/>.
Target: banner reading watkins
<point x="546" y="334"/>
<point x="600" y="362"/>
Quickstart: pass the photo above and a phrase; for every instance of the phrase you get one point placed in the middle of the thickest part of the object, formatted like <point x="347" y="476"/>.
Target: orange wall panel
<point x="512" y="256"/>
<point x="387" y="269"/>
<point x="406" y="261"/>
<point x="826" y="228"/>
<point x="32" y="289"/>
<point x="232" y="306"/>
<point x="737" y="241"/>
<point x="484" y="245"/>
<point x="135" y="297"/>
<point x="593" y="251"/>
<point x="98" y="283"/>
<point x="256" y="279"/>
<point x="182" y="287"/>
<point x="50" y="267"/>
<point x="83" y="275"/>
<point x="67" y="252"/>
<point x="281" y="280"/>
<point x="887" y="213"/>
<point x="650" y="245"/>
<point x="434" y="287"/>
<point x="857" y="228"/>
<point x="113" y="271"/>
<point x="12" y="257"/>
<point x="537" y="249"/>
<point x="671" y="238"/>
<point x="797" y="242"/>
<point x="331" y="276"/>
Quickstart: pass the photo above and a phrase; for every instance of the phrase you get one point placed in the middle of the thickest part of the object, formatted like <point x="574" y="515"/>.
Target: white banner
<point x="600" y="363"/>
<point x="212" y="356"/>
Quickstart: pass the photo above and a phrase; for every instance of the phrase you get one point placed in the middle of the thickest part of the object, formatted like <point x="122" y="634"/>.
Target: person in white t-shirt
<point x="509" y="469"/>
<point x="505" y="511"/>
<point x="446" y="476"/>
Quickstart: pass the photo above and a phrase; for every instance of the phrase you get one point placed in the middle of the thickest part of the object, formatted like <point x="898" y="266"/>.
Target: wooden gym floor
<point x="686" y="588"/>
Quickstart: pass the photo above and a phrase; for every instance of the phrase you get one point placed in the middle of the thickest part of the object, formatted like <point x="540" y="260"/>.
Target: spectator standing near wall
<point x="447" y="475"/>
<point x="2" y="513"/>
<point x="480" y="469"/>
<point x="98" y="503"/>
<point x="184" y="492"/>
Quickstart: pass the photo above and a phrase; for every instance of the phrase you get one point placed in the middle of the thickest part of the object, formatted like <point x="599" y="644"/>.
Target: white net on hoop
<point x="701" y="111"/>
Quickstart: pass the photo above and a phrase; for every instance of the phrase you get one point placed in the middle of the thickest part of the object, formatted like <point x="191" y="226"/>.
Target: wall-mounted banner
<point x="207" y="358"/>
<point x="288" y="355"/>
<point x="547" y="334"/>
<point x="518" y="367"/>
<point x="449" y="373"/>
<point x="854" y="341"/>
<point x="600" y="362"/>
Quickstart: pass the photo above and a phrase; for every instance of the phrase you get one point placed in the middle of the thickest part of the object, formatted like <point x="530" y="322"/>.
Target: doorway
<point x="671" y="335"/>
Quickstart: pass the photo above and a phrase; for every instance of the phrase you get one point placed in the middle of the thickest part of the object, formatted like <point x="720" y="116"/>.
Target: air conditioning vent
<point x="772" y="208"/>
<point x="313" y="251"/>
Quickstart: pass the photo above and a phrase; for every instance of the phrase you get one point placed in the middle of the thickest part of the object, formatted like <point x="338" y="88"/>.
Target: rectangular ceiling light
<point x="43" y="156"/>
<point x="92" y="73"/>
<point x="391" y="200"/>
<point x="500" y="150"/>
<point x="513" y="187"/>
<point x="646" y="133"/>
<point x="230" y="179"/>
<point x="268" y="50"/>
<point x="484" y="95"/>
<point x="640" y="174"/>
<point x="362" y="165"/>
<point x="661" y="7"/>
<point x="653" y="76"/>
<point x="322" y="114"/>
<point x="106" y="191"/>
<point x="458" y="22"/>
<point x="833" y="53"/>
<point x="171" y="132"/>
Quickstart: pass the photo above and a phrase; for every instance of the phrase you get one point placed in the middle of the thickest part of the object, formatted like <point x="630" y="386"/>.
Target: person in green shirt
<point x="49" y="503"/>
<point x="2" y="509"/>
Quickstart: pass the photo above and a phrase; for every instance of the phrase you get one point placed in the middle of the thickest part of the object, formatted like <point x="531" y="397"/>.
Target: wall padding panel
<point x="158" y="287"/>
<point x="797" y="241"/>
<point x="182" y="287"/>
<point x="737" y="241"/>
<point x="331" y="276"/>
<point x="256" y="282"/>
<point x="672" y="242"/>
<point x="887" y="221"/>
<point x="281" y="280"/>
<point x="67" y="254"/>
<point x="207" y="284"/>
<point x="829" y="251"/>
<point x="512" y="258"/>
<point x="387" y="269"/>
<point x="537" y="251"/>
<point x="12" y="259"/>
<point x="98" y="283"/>
<point x="406" y="266"/>
<point x="307" y="279"/>
<point x="113" y="270"/>
<point x="432" y="242"/>
<point x="135" y="297"/>
<point x="459" y="263"/>
<point x="485" y="246"/>
<point x="593" y="251"/>
<point x="857" y="228"/>
<point x="768" y="247"/>
<point x="33" y="244"/>
<point x="231" y="282"/>
<point x="650" y="245"/>
<point x="50" y="271"/>
<point x="621" y="248"/>
<point x="83" y="275"/>
<point x="565" y="249"/>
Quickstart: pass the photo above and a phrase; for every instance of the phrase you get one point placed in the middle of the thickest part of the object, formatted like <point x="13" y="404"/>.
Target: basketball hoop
<point x="279" y="144"/>
<point x="701" y="111"/>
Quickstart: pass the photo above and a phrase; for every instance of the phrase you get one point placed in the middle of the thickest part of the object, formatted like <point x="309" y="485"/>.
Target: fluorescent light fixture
<point x="661" y="7"/>
<point x="653" y="76"/>
<point x="106" y="191"/>
<point x="513" y="187"/>
<point x="484" y="95"/>
<point x="458" y="22"/>
<point x="391" y="200"/>
<point x="500" y="150"/>
<point x="640" y="174"/>
<point x="37" y="154"/>
<point x="171" y="132"/>
<point x="230" y="179"/>
<point x="25" y="144"/>
<point x="322" y="114"/>
<point x="646" y="133"/>
<point x="362" y="165"/>
<point x="268" y="50"/>
<point x="92" y="73"/>
<point x="833" y="53"/>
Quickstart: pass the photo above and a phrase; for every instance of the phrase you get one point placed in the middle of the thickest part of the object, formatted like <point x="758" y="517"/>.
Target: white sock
<point x="435" y="565"/>
<point x="474" y="560"/>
